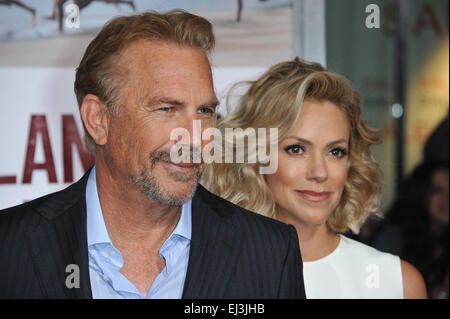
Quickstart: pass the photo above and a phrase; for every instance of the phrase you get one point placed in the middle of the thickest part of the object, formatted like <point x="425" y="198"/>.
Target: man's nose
<point x="194" y="128"/>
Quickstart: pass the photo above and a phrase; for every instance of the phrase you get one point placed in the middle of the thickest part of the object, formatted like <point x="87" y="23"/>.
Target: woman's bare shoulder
<point x="413" y="284"/>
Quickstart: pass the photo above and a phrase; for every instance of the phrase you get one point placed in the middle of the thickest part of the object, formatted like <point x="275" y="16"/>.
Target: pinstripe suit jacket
<point x="234" y="253"/>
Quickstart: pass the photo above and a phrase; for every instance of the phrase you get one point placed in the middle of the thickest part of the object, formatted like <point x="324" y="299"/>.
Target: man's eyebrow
<point x="213" y="103"/>
<point x="171" y="101"/>
<point x="163" y="100"/>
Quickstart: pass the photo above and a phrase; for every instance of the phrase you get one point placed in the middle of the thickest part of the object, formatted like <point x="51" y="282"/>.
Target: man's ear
<point x="95" y="118"/>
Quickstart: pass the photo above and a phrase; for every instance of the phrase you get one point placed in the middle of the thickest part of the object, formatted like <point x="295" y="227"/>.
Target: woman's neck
<point x="316" y="241"/>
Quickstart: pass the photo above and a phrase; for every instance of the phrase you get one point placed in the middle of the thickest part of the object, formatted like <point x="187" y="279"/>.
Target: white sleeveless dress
<point x="354" y="271"/>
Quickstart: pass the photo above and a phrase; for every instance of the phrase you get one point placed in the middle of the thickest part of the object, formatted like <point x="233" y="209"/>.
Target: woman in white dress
<point x="327" y="181"/>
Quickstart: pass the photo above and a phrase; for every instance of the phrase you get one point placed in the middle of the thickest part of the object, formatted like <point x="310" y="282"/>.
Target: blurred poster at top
<point x="249" y="32"/>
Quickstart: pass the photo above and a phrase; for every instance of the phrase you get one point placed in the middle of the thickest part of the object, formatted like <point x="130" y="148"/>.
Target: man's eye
<point x="166" y="109"/>
<point x="206" y="110"/>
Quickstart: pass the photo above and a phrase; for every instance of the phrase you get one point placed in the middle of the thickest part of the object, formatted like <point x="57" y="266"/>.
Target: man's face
<point x="167" y="87"/>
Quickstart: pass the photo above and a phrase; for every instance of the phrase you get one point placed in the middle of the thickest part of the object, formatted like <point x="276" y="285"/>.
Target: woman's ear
<point x="95" y="118"/>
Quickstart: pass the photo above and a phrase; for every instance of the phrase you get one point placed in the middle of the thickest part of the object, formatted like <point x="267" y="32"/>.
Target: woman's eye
<point x="294" y="149"/>
<point x="339" y="152"/>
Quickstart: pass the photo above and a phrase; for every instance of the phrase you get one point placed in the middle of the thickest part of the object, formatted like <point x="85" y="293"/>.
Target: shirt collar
<point x="96" y="228"/>
<point x="184" y="226"/>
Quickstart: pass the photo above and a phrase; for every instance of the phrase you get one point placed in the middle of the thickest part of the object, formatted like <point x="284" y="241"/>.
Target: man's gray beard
<point x="149" y="186"/>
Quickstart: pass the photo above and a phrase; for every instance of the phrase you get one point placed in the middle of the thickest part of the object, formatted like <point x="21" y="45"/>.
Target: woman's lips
<point x="314" y="196"/>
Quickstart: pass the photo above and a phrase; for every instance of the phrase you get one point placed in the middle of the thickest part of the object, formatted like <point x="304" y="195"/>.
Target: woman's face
<point x="312" y="164"/>
<point x="438" y="200"/>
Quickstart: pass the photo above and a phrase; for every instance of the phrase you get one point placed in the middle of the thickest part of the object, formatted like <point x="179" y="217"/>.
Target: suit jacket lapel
<point x="214" y="248"/>
<point x="59" y="239"/>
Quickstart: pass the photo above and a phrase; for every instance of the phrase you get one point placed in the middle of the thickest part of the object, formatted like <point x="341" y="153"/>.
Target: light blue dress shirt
<point x="105" y="261"/>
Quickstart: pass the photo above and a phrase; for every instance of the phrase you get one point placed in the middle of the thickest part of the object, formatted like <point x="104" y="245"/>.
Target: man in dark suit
<point x="138" y="225"/>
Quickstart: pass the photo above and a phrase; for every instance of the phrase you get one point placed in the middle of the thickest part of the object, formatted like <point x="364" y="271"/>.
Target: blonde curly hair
<point x="274" y="101"/>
